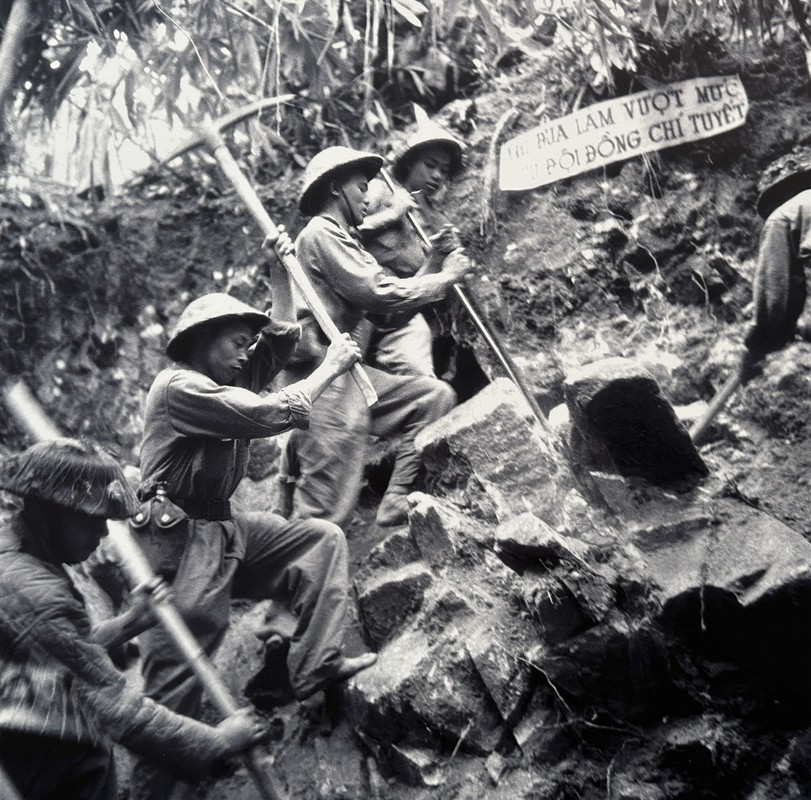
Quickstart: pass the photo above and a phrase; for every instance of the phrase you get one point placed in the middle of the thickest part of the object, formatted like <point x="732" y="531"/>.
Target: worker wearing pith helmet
<point x="403" y="343"/>
<point x="780" y="291"/>
<point x="216" y="308"/>
<point x="329" y="164"/>
<point x="351" y="284"/>
<point x="62" y="700"/>
<point x="201" y="414"/>
<point x="429" y="138"/>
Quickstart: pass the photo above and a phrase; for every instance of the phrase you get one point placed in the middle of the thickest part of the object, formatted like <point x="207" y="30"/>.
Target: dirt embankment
<point x="650" y="259"/>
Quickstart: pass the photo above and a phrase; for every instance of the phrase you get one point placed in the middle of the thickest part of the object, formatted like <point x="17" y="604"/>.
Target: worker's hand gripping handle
<point x="232" y="171"/>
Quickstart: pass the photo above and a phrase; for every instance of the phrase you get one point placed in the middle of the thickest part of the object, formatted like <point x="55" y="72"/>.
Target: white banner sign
<point x="620" y="128"/>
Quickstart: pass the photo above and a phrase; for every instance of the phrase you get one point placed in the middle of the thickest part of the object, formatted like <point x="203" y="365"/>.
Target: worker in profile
<point x="201" y="413"/>
<point x="329" y="457"/>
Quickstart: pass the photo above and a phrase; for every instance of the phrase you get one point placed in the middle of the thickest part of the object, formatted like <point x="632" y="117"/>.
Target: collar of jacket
<point x="351" y="230"/>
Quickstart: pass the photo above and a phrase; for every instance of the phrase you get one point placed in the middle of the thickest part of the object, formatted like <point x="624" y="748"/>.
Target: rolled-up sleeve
<point x="274" y="348"/>
<point x="198" y="406"/>
<point x="300" y="403"/>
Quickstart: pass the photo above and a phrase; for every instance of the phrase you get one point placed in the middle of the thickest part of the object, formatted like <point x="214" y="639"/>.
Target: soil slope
<point x="650" y="259"/>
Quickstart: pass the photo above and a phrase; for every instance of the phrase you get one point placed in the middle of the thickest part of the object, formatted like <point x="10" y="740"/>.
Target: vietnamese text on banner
<point x="620" y="128"/>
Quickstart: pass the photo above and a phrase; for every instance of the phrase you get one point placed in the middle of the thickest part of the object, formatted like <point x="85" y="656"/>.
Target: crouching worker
<point x="329" y="457"/>
<point x="62" y="701"/>
<point x="200" y="416"/>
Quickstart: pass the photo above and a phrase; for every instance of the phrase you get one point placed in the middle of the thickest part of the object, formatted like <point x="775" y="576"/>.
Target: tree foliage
<point x="134" y="71"/>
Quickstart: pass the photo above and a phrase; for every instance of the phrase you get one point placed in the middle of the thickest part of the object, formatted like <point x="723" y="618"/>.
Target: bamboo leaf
<point x="406" y="13"/>
<point x="86" y="13"/>
<point x="414" y="6"/>
<point x="646" y="11"/>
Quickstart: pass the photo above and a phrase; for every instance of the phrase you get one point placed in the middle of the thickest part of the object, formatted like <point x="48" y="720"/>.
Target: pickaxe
<point x="210" y="135"/>
<point x="482" y="324"/>
<point x="28" y="414"/>
<point x="743" y="372"/>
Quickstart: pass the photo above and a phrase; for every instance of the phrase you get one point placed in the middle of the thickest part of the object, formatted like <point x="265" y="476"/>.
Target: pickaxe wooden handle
<point x="717" y="403"/>
<point x="483" y="325"/>
<point x="7" y="788"/>
<point x="211" y="135"/>
<point x="28" y="414"/>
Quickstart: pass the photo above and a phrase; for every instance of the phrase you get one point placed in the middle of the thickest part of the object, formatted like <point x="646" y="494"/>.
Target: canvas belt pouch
<point x="162" y="528"/>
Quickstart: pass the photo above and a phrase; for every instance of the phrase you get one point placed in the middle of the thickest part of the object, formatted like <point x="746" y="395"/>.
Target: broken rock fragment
<point x="529" y="538"/>
<point x="390" y="598"/>
<point x="443" y="533"/>
<point x="416" y="766"/>
<point x="425" y="694"/>
<point x="622" y="421"/>
<point x="500" y="661"/>
<point x="619" y="667"/>
<point x="567" y="601"/>
<point x="396" y="550"/>
<point x="556" y="614"/>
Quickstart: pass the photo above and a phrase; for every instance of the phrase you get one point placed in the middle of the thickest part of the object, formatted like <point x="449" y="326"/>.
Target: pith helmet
<point x="71" y="473"/>
<point x="428" y="134"/>
<point x="784" y="178"/>
<point x="210" y="307"/>
<point x="326" y="164"/>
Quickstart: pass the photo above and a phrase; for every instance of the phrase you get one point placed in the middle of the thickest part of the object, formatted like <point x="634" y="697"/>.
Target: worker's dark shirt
<point x="55" y="681"/>
<point x="780" y="283"/>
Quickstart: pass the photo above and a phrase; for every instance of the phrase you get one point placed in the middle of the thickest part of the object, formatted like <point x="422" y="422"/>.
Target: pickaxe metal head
<point x="210" y="132"/>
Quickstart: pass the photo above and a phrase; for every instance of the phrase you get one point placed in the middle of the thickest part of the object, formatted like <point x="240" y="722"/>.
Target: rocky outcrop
<point x="622" y="421"/>
<point x="503" y="622"/>
<point x="490" y="455"/>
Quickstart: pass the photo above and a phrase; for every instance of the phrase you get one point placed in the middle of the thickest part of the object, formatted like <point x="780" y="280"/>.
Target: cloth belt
<point x="212" y="508"/>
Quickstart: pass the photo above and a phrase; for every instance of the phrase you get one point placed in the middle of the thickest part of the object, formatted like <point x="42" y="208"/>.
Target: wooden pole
<point x="232" y="171"/>
<point x="716" y="404"/>
<point x="28" y="413"/>
<point x="139" y="571"/>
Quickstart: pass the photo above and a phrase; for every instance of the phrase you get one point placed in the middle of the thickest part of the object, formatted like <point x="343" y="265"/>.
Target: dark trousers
<point x="255" y="556"/>
<point x="46" y="768"/>
<point x="326" y="461"/>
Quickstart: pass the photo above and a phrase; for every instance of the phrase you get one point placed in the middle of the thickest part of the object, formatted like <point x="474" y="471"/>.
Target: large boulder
<point x="622" y="421"/>
<point x="492" y="445"/>
<point x="424" y="694"/>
